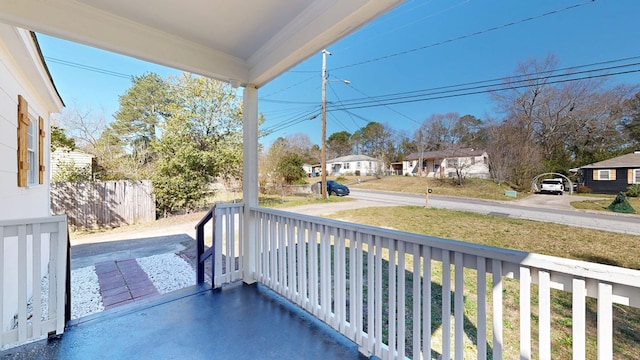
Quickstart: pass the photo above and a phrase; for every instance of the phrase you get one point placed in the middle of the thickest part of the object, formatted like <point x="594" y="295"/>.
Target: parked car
<point x="552" y="186"/>
<point x="334" y="188"/>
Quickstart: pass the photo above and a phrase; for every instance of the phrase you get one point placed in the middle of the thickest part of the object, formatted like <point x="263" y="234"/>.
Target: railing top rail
<point x="35" y="220"/>
<point x="607" y="273"/>
<point x="228" y="205"/>
<point x="209" y="215"/>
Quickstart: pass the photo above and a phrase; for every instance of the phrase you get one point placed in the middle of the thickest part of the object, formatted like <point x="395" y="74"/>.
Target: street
<point x="547" y="208"/>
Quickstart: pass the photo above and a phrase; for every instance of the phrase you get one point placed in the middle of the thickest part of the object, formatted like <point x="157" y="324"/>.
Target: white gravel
<point x="168" y="272"/>
<point x="85" y="292"/>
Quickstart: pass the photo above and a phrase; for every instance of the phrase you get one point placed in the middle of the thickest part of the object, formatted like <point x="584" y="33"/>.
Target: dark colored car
<point x="335" y="188"/>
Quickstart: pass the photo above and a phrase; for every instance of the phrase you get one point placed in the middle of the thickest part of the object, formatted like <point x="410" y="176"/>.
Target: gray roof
<point x="351" y="158"/>
<point x="442" y="154"/>
<point x="625" y="161"/>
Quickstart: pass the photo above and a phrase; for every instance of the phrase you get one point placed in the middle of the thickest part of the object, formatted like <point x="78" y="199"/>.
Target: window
<point x="636" y="176"/>
<point x="32" y="155"/>
<point x="604" y="175"/>
<point x="347" y="165"/>
<point x="30" y="146"/>
<point x="358" y="165"/>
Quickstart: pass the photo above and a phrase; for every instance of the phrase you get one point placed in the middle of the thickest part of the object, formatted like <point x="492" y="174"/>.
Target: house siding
<point x="607" y="186"/>
<point x="438" y="168"/>
<point x="79" y="159"/>
<point x="16" y="78"/>
<point x="348" y="165"/>
<point x="22" y="73"/>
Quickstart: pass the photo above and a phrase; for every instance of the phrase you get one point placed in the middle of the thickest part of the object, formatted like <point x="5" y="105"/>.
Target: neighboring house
<point x="612" y="176"/>
<point x="28" y="97"/>
<point x="308" y="169"/>
<point x="79" y="159"/>
<point x="359" y="165"/>
<point x="444" y="163"/>
<point x="395" y="168"/>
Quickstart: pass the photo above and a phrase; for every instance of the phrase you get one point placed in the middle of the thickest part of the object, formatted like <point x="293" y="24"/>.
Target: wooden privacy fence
<point x="97" y="204"/>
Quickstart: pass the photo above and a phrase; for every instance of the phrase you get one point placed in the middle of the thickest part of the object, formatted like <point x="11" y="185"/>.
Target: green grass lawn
<point x="601" y="204"/>
<point x="472" y="188"/>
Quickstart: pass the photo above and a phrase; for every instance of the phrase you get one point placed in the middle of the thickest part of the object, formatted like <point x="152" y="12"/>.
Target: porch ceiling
<point x="243" y="42"/>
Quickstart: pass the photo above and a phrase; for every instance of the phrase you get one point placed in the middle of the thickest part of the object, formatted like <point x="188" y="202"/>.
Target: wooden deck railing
<point x="402" y="295"/>
<point x="33" y="279"/>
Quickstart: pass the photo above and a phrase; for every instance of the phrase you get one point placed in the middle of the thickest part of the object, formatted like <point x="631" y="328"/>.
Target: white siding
<point x="79" y="159"/>
<point x="19" y="67"/>
<point x="21" y="73"/>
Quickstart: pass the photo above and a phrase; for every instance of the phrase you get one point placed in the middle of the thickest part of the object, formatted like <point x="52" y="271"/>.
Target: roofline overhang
<point x="315" y="28"/>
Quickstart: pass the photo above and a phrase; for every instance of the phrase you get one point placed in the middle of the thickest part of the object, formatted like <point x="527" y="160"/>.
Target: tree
<point x="82" y="124"/>
<point x="143" y="107"/>
<point x="339" y="144"/>
<point x="436" y="132"/>
<point x="68" y="172"/>
<point x="202" y="140"/>
<point x="376" y="140"/>
<point x="60" y="140"/>
<point x="570" y="122"/>
<point x="469" y="132"/>
<point x="300" y="144"/>
<point x="630" y="113"/>
<point x="289" y="168"/>
<point x="513" y="157"/>
<point x="86" y="127"/>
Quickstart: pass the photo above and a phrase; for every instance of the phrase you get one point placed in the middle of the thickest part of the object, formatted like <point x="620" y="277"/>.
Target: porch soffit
<point x="237" y="41"/>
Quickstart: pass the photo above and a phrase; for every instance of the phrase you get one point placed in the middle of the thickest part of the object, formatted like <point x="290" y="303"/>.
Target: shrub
<point x="633" y="190"/>
<point x="583" y="189"/>
<point x="357" y="172"/>
<point x="341" y="179"/>
<point x="69" y="172"/>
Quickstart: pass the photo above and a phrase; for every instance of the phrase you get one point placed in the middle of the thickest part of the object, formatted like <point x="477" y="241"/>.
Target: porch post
<point x="250" y="179"/>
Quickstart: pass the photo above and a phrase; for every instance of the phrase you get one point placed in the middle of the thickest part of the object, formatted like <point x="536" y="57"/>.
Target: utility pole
<point x="323" y="152"/>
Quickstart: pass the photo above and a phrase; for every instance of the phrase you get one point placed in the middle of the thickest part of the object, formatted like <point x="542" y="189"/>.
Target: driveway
<point x="560" y="202"/>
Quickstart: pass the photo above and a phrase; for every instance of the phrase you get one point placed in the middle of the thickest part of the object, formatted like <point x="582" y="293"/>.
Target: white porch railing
<point x="33" y="276"/>
<point x="401" y="295"/>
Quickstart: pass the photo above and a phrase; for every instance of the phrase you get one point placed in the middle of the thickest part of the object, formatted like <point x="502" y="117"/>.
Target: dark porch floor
<point x="239" y="322"/>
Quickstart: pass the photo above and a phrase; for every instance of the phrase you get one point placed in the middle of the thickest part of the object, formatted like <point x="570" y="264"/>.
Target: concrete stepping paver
<point x="122" y="282"/>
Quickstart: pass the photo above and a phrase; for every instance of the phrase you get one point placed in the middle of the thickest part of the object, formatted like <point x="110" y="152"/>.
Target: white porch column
<point x="250" y="179"/>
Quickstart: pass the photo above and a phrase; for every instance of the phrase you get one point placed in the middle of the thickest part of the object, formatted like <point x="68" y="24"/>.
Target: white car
<point x="552" y="186"/>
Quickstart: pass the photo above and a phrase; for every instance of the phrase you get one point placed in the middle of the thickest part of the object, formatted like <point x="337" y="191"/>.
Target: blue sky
<point x="420" y="45"/>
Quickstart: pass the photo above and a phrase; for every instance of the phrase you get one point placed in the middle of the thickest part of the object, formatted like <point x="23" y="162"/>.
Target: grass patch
<point x="601" y="204"/>
<point x="472" y="188"/>
<point x="525" y="235"/>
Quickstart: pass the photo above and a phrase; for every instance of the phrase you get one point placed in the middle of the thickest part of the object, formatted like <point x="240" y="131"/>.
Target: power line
<point x="493" y="80"/>
<point x="88" y="68"/>
<point x="484" y="90"/>
<point x="301" y="117"/>
<point x="390" y="108"/>
<point x="518" y="82"/>
<point x="499" y="27"/>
